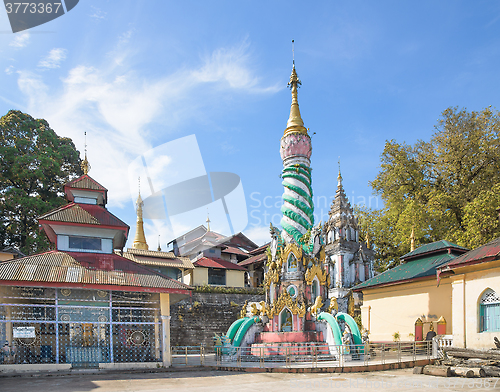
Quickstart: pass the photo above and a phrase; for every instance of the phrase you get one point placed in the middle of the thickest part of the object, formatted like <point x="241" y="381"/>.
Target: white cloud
<point x="54" y="59"/>
<point x="97" y="13"/>
<point x="258" y="234"/>
<point x="115" y="105"/>
<point x="9" y="70"/>
<point x="21" y="40"/>
<point x="230" y="66"/>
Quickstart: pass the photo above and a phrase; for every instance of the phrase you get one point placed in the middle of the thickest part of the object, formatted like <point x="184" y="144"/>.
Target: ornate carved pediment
<point x="316" y="270"/>
<point x="291" y="248"/>
<point x="285" y="300"/>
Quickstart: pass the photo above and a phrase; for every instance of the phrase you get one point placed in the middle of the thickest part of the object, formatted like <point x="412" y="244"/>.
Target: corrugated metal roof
<point x="233" y="250"/>
<point x="260" y="249"/>
<point x="213" y="262"/>
<point x="84" y="268"/>
<point x="157" y="258"/>
<point x="433" y="247"/>
<point x="89" y="214"/>
<point x="419" y="268"/>
<point x="490" y="251"/>
<point x="85" y="182"/>
<point x="254" y="259"/>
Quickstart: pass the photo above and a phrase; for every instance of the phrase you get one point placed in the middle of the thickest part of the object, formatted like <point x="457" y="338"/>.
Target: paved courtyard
<point x="218" y="381"/>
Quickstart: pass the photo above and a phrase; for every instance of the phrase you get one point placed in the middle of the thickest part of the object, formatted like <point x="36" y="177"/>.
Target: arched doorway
<point x="286" y="320"/>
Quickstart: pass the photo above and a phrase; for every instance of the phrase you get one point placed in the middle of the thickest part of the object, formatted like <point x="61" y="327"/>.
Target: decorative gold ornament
<point x="265" y="310"/>
<point x="316" y="270"/>
<point x="254" y="310"/>
<point x="318" y="303"/>
<point x="322" y="255"/>
<point x="285" y="300"/>
<point x="272" y="276"/>
<point x="333" y="305"/>
<point x="243" y="312"/>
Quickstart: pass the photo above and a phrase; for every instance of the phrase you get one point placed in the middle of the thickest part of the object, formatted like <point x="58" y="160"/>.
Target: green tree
<point x="35" y="163"/>
<point x="442" y="188"/>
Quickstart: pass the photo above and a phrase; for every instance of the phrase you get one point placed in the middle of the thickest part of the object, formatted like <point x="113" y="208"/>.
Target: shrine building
<point x="82" y="304"/>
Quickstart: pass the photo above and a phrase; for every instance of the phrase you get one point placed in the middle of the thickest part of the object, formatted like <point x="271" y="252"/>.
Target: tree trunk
<point x="441" y="371"/>
<point x="462" y="372"/>
<point x="491" y="371"/>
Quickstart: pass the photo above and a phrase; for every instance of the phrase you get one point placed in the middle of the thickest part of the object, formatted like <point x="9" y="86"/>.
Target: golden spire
<point x="159" y="246"/>
<point x="412" y="240"/>
<point x="295" y="123"/>
<point x="140" y="238"/>
<point x="208" y="222"/>
<point x="339" y="177"/>
<point x="367" y="240"/>
<point x="85" y="165"/>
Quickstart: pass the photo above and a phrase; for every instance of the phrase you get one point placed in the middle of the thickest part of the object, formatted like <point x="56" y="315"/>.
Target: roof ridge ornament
<point x="85" y="165"/>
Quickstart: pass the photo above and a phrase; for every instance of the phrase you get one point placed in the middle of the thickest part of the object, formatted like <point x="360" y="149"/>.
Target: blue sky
<point x="137" y="74"/>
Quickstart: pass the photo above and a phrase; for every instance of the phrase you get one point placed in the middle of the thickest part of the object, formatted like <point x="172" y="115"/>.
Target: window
<point x="217" y="276"/>
<point x="489" y="312"/>
<point x="88" y="243"/>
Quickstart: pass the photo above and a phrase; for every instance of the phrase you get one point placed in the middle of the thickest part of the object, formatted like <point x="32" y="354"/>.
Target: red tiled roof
<point x="213" y="262"/>
<point x="488" y="252"/>
<point x="84" y="214"/>
<point x="85" y="269"/>
<point x="254" y="259"/>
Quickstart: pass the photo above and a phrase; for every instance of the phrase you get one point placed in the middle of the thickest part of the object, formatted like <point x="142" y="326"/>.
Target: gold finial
<point x="339" y="177"/>
<point x="140" y="238"/>
<point x="208" y="221"/>
<point x="159" y="247"/>
<point x="295" y="123"/>
<point x="367" y="240"/>
<point x="85" y="165"/>
<point x="412" y="240"/>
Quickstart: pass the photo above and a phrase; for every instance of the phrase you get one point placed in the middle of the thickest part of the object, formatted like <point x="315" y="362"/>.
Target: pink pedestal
<point x="289" y="337"/>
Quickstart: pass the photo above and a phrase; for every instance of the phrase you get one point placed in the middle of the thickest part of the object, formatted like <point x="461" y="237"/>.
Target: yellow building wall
<point x="6" y="256"/>
<point x="235" y="278"/>
<point x="395" y="308"/>
<point x="468" y="288"/>
<point x="200" y="276"/>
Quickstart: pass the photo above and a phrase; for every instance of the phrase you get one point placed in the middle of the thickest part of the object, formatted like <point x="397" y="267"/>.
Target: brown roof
<point x="157" y="258"/>
<point x="85" y="182"/>
<point x="82" y="269"/>
<point x="254" y="259"/>
<point x="237" y="251"/>
<point x="260" y="249"/>
<point x="89" y="214"/>
<point x="214" y="262"/>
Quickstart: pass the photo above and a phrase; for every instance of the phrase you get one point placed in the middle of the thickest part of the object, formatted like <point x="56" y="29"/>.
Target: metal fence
<point x="302" y="355"/>
<point x="81" y="327"/>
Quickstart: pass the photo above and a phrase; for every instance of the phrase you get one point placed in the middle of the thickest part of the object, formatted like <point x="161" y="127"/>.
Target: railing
<point x="188" y="355"/>
<point x="303" y="355"/>
<point x="440" y="342"/>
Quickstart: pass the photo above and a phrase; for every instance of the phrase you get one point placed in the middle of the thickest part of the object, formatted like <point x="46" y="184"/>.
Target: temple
<point x="350" y="261"/>
<point x="297" y="276"/>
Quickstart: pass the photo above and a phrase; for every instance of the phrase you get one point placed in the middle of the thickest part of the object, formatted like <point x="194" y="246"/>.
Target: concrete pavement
<point x="220" y="381"/>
